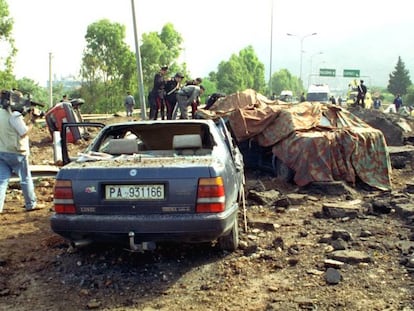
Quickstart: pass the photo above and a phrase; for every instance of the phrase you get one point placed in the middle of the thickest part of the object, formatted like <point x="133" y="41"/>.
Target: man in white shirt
<point x="14" y="152"/>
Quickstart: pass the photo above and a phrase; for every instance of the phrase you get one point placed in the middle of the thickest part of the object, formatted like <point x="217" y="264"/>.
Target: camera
<point x="16" y="102"/>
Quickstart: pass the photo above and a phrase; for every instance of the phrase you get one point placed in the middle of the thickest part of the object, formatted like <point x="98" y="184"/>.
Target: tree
<point x="7" y="48"/>
<point x="160" y="49"/>
<point x="230" y="76"/>
<point x="37" y="93"/>
<point x="107" y="66"/>
<point x="399" y="79"/>
<point x="240" y="72"/>
<point x="254" y="69"/>
<point x="409" y="97"/>
<point x="283" y="80"/>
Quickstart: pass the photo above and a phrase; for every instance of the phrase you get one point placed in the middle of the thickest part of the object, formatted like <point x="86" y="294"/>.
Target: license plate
<point x="134" y="192"/>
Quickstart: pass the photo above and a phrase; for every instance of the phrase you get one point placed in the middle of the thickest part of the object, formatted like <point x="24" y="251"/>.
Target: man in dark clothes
<point x="157" y="95"/>
<point x="362" y="90"/>
<point x="171" y="88"/>
<point x="398" y="102"/>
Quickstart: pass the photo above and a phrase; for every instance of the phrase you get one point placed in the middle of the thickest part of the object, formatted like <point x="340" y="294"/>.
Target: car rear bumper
<point x="151" y="227"/>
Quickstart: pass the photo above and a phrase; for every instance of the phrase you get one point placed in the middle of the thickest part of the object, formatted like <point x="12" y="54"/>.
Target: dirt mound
<point x="302" y="251"/>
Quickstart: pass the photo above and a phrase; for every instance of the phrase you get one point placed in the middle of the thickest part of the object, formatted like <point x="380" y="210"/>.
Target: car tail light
<point x="210" y="195"/>
<point x="63" y="197"/>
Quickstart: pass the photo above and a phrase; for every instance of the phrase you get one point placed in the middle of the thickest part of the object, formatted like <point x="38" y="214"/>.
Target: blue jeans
<point x="19" y="164"/>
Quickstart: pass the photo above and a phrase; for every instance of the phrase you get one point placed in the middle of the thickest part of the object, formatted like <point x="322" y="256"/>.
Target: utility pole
<point x="50" y="81"/>
<point x="139" y="67"/>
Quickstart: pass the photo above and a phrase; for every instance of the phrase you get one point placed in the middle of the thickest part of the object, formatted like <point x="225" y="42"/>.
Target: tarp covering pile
<point x="319" y="142"/>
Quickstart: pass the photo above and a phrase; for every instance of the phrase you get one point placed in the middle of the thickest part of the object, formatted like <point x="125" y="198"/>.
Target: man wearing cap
<point x="362" y="90"/>
<point x="157" y="95"/>
<point x="171" y="88"/>
<point x="185" y="97"/>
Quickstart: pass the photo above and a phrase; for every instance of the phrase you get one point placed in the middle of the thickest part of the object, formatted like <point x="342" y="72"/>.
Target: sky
<point x="364" y="35"/>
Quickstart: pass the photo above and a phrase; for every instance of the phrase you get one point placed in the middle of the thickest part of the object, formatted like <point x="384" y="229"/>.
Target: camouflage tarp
<point x="319" y="142"/>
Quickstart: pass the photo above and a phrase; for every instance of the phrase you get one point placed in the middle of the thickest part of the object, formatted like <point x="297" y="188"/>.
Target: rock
<point x="296" y="198"/>
<point x="350" y="256"/>
<point x="93" y="304"/>
<point x="332" y="276"/>
<point x="264" y="197"/>
<point x="314" y="272"/>
<point x="410" y="262"/>
<point x="365" y="233"/>
<point x="339" y="244"/>
<point x="326" y="238"/>
<point x="404" y="210"/>
<point x="282" y="202"/>
<point x="340" y="210"/>
<point x="341" y="234"/>
<point x="263" y="225"/>
<point x="381" y="207"/>
<point x="292" y="261"/>
<point x="279" y="243"/>
<point x="330" y="263"/>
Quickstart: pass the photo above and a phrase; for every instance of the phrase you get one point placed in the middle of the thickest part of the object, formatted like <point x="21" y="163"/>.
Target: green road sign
<point x="351" y="73"/>
<point x="324" y="72"/>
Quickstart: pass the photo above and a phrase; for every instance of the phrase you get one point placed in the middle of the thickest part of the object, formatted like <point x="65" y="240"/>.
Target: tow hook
<point x="141" y="247"/>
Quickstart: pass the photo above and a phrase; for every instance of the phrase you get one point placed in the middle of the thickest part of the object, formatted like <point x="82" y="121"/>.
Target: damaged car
<point x="144" y="182"/>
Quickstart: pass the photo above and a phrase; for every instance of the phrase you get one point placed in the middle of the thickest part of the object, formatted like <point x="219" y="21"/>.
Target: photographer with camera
<point x="16" y="121"/>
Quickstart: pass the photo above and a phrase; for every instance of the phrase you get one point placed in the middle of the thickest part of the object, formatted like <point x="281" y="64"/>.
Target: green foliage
<point x="107" y="66"/>
<point x="240" y="72"/>
<point x="283" y="80"/>
<point x="210" y="88"/>
<point x="159" y="49"/>
<point x="7" y="80"/>
<point x="399" y="79"/>
<point x="253" y="69"/>
<point x="37" y="93"/>
<point x="7" y="44"/>
<point x="408" y="99"/>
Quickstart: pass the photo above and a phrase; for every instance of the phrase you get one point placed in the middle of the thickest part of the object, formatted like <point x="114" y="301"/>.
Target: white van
<point x="318" y="93"/>
<point x="286" y="96"/>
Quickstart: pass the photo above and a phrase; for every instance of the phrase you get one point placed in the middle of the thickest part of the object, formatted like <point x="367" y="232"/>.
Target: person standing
<point x="129" y="104"/>
<point x="377" y="103"/>
<point x="362" y="91"/>
<point x="185" y="97"/>
<point x="157" y="95"/>
<point x="302" y="97"/>
<point x="14" y="151"/>
<point x="196" y="101"/>
<point x="398" y="102"/>
<point x="171" y="88"/>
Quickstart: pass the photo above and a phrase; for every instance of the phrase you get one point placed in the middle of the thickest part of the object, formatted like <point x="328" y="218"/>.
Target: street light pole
<point x="301" y="48"/>
<point x="311" y="60"/>
<point x="139" y="66"/>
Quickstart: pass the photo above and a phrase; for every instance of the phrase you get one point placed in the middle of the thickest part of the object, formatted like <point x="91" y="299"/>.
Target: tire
<point x="282" y="171"/>
<point x="230" y="242"/>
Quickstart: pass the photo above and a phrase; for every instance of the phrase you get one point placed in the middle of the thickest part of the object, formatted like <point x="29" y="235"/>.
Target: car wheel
<point x="230" y="242"/>
<point x="281" y="170"/>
